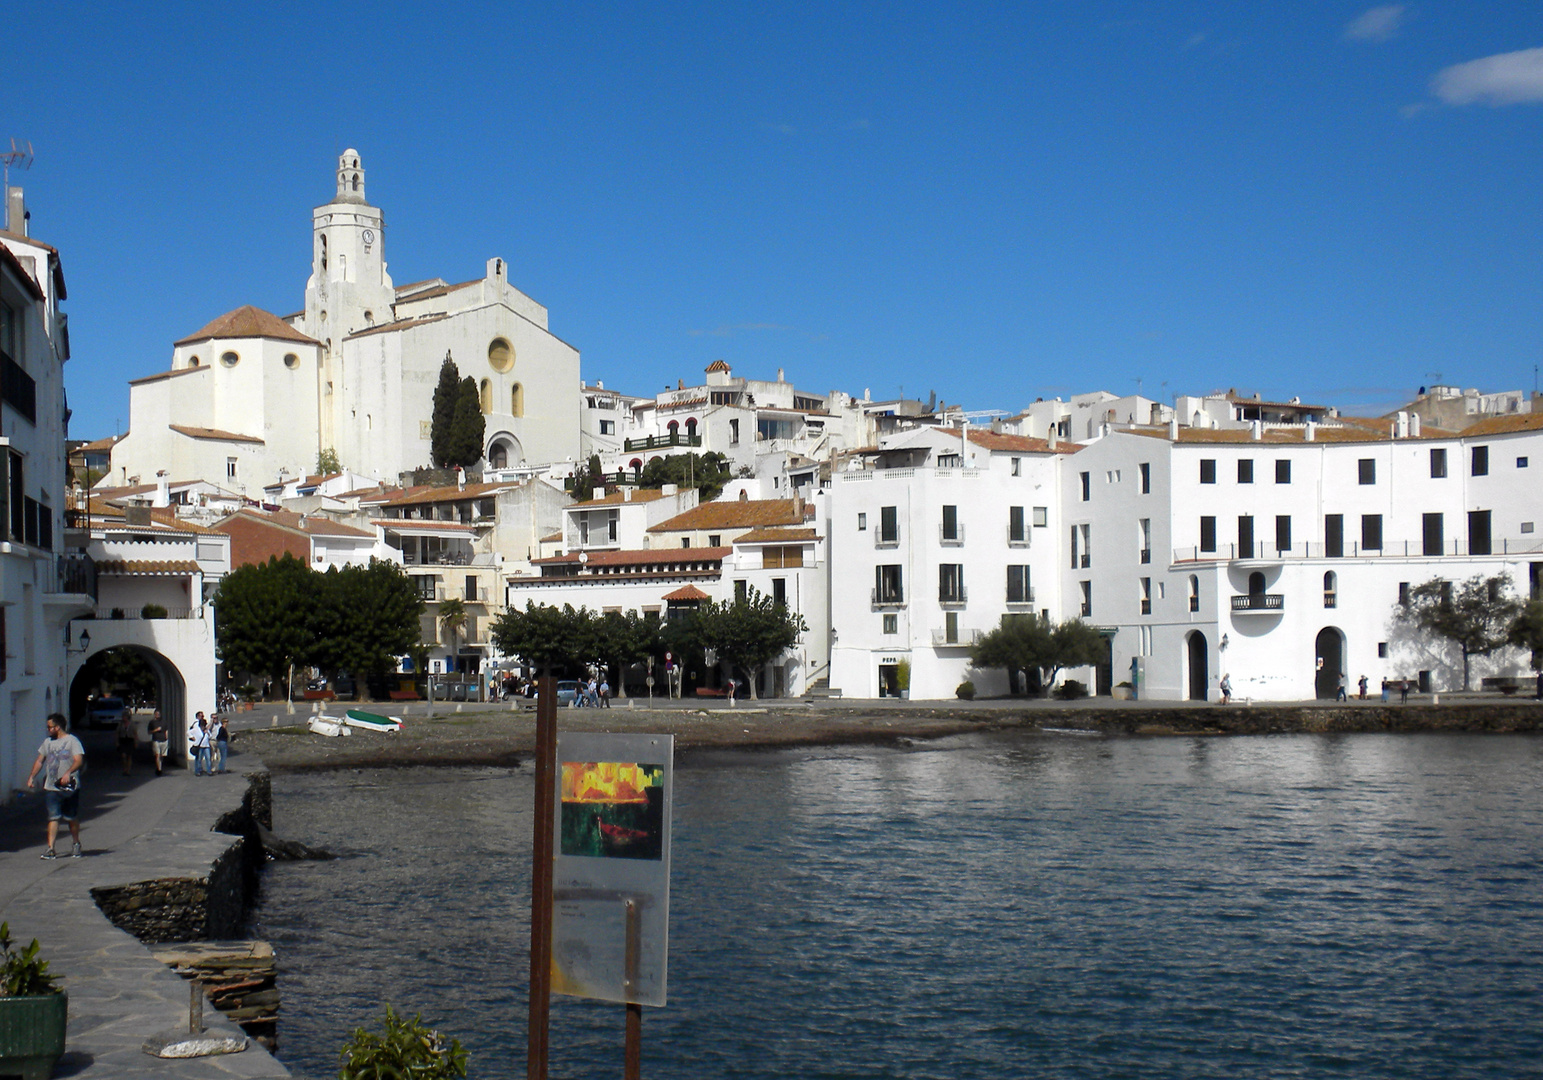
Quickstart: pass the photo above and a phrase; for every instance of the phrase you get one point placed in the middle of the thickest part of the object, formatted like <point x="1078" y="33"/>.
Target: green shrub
<point x="152" y="611"/>
<point x="22" y="974"/>
<point x="965" y="691"/>
<point x="403" y="1048"/>
<point x="1070" y="690"/>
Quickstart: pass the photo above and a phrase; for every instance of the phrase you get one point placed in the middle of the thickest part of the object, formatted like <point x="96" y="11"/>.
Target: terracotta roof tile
<point x="448" y="494"/>
<point x="686" y="593"/>
<point x="991" y="440"/>
<point x="735" y="514"/>
<point x="398" y="524"/>
<point x="777" y="536"/>
<point x="248" y="322"/>
<point x="116" y="567"/>
<point x="213" y="433"/>
<point x="158" y="376"/>
<point x="1504" y="425"/>
<point x="400" y="324"/>
<point x="718" y="365"/>
<point x="442" y="290"/>
<point x="639" y="495"/>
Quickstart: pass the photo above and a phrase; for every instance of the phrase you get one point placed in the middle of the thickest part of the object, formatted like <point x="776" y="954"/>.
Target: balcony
<point x="1402" y="549"/>
<point x="888" y="598"/>
<point x="882" y="539"/>
<point x="77" y="574"/>
<point x="1259" y="604"/>
<point x="1330" y="599"/>
<point x="660" y="442"/>
<point x="953" y="596"/>
<point x="960" y="639"/>
<point x="1017" y="537"/>
<point x="951" y="539"/>
<point x="1019" y="596"/>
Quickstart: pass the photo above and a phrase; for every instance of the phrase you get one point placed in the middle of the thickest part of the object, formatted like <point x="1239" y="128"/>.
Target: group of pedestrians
<point x="595" y="694"/>
<point x="209" y="743"/>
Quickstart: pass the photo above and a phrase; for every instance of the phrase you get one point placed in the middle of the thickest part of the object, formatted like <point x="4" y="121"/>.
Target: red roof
<point x="248" y="322"/>
<point x="686" y="592"/>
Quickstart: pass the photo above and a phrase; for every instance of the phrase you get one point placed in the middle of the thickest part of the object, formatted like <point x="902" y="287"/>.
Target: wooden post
<point x="632" y="1065"/>
<point x="541" y="880"/>
<point x="195" y="1007"/>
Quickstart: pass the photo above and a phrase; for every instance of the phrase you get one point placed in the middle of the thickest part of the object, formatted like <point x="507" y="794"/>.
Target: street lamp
<point x="85" y="641"/>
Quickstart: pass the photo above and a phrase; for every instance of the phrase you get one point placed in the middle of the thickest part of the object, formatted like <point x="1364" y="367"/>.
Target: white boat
<point x="368" y="721"/>
<point x="326" y="725"/>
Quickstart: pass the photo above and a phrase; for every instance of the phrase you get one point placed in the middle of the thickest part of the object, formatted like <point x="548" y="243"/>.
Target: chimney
<point x="460" y="478"/>
<point x="1401" y="426"/>
<point x="1414" y="425"/>
<point x="1051" y="437"/>
<point x="15" y="212"/>
<point x="162" y="490"/>
<point x="597" y="493"/>
<point x="669" y="489"/>
<point x="1256" y="430"/>
<point x="779" y="376"/>
<point x="1173" y="429"/>
<point x="1310" y="432"/>
<point x="626" y="494"/>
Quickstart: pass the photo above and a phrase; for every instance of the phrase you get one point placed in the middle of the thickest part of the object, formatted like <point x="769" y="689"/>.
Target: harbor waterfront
<point x="1017" y="901"/>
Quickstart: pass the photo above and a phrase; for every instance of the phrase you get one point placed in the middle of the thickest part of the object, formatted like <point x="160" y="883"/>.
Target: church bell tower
<point x="349" y="289"/>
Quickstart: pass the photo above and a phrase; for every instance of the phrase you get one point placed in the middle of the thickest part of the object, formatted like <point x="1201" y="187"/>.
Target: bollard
<point x="195" y="1007"/>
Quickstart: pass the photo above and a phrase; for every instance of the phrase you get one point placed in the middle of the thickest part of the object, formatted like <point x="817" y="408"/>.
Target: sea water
<point x="992" y="906"/>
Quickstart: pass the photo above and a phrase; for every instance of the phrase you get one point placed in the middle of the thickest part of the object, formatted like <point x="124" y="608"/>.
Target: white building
<point x="354" y="372"/>
<point x="1278" y="555"/>
<point x="929" y="547"/>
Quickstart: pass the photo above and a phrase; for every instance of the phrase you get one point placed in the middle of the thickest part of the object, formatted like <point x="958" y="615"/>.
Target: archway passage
<point x="144" y="678"/>
<point x="1330" y="652"/>
<point x="1199" y="667"/>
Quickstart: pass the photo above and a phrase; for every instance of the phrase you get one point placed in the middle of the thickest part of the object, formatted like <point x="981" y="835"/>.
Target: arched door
<point x="1330" y="662"/>
<point x="1199" y="667"/>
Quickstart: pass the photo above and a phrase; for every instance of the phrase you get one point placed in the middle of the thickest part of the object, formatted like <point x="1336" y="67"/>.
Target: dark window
<point x="1087" y="486"/>
<point x="1333" y="536"/>
<point x="1245" y="537"/>
<point x="740" y="589"/>
<point x="1431" y="534"/>
<point x="1194" y="593"/>
<point x="1208" y="470"/>
<point x="1481" y="461"/>
<point x="1015" y="531"/>
<point x="425" y="584"/>
<point x="951" y="583"/>
<point x="1368" y="470"/>
<point x="1245" y="470"/>
<point x="1018" y="591"/>
<point x="1371" y="532"/>
<point x="18" y="498"/>
<point x="1521" y="463"/>
<point x="1283" y="532"/>
<point x="1382" y="650"/>
<point x="1146" y="478"/>
<point x="1403" y="594"/>
<point x="950" y="523"/>
<point x="1478" y="532"/>
<point x="18" y="389"/>
<point x="1087" y="599"/>
<point x="1438" y="462"/>
<point x="1283" y="471"/>
<point x="714" y="539"/>
<point x="780" y="591"/>
<point x="889" y="525"/>
<point x="888" y="587"/>
<point x="1208" y="534"/>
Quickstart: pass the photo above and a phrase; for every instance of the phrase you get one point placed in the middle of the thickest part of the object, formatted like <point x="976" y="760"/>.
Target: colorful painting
<point x="613" y="810"/>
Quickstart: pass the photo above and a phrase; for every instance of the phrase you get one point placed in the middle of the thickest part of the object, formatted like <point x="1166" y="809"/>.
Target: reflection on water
<point x="1004" y="905"/>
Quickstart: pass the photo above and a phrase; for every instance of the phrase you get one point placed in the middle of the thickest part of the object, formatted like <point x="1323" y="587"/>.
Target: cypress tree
<point x="468" y="427"/>
<point x="446" y="395"/>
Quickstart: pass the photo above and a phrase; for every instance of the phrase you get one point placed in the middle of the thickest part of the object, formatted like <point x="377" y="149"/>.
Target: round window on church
<point x="500" y="355"/>
<point x="229" y="359"/>
<point x="193" y="361"/>
<point x="291" y="361"/>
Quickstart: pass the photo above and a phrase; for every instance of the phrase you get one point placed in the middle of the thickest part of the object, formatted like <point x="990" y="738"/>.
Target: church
<point x="253" y="395"/>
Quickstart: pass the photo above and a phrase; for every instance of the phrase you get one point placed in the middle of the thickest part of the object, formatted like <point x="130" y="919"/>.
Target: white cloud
<point x="1376" y="24"/>
<point x="1505" y="79"/>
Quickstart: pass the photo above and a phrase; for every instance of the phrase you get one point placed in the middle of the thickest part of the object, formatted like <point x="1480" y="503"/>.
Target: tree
<point x="1526" y="632"/>
<point x="1031" y="643"/>
<point x="705" y="472"/>
<point x="589" y="477"/>
<point x="622" y="638"/>
<point x="546" y="637"/>
<point x="367" y="616"/>
<point x="327" y="462"/>
<point x="264" y="616"/>
<point x="1476" y="615"/>
<point x="441" y="429"/>
<point x="452" y="616"/>
<point x="749" y="632"/>
<point x="468" y="427"/>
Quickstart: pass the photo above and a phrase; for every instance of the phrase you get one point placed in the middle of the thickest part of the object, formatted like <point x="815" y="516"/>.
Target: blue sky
<point x="995" y="202"/>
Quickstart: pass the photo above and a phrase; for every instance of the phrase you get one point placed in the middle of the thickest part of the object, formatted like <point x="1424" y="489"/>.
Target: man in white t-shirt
<point x="60" y="757"/>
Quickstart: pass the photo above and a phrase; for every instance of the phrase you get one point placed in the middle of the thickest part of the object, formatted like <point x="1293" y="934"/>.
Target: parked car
<point x="567" y="691"/>
<point x="345" y="686"/>
<point x="105" y="712"/>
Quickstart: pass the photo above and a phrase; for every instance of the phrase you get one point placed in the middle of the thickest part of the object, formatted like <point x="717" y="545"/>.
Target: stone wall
<point x="1241" y="719"/>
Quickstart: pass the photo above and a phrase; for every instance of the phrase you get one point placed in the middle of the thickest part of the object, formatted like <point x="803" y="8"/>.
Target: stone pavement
<point x="135" y="828"/>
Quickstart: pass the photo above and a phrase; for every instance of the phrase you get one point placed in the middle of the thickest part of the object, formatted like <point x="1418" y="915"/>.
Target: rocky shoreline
<point x="497" y="735"/>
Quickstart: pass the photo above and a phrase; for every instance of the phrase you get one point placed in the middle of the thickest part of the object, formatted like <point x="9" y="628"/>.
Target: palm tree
<point x="452" y="616"/>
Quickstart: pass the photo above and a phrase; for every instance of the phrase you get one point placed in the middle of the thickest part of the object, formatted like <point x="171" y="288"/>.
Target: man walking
<point x="158" y="740"/>
<point x="1344" y="686"/>
<point x="61" y="757"/>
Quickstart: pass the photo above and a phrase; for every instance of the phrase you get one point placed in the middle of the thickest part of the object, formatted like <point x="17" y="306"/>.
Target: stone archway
<point x="1329" y="650"/>
<point x="503" y="451"/>
<point x="179" y="651"/>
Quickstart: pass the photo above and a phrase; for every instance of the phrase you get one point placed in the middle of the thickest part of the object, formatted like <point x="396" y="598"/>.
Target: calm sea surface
<point x="995" y="906"/>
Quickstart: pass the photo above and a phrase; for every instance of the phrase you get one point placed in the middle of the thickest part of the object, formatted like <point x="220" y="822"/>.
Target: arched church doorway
<point x="1330" y="662"/>
<point x="1199" y="670"/>
<point x="503" y="451"/>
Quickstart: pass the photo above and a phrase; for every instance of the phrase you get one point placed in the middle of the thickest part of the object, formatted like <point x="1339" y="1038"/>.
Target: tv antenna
<point x="19" y="156"/>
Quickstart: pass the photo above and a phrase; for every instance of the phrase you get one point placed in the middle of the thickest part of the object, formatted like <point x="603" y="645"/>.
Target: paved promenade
<point x="134" y="828"/>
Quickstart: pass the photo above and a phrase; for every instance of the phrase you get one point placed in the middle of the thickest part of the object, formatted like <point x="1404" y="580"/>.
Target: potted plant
<point x="903" y="678"/>
<point x="965" y="691"/>
<point x="1123" y="691"/>
<point x="152" y="611"/>
<point x="33" y="1009"/>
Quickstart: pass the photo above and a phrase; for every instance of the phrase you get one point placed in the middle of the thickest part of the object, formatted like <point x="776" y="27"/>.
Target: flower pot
<point x="32" y="1034"/>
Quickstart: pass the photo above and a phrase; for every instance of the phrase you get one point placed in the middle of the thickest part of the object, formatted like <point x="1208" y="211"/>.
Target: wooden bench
<point x="320" y="695"/>
<point x="405" y="695"/>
